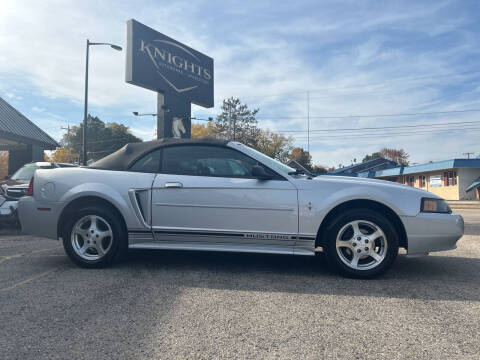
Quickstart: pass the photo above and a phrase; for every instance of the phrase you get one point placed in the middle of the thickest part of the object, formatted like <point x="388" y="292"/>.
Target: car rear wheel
<point x="94" y="237"/>
<point x="361" y="243"/>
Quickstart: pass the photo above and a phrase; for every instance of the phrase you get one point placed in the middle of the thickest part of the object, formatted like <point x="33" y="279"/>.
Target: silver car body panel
<point x="225" y="214"/>
<point x="429" y="232"/>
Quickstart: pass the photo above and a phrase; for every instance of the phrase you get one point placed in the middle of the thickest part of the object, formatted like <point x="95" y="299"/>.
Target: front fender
<point x="314" y="206"/>
<point x="359" y="193"/>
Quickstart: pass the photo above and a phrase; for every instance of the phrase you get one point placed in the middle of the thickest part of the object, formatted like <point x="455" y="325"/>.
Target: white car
<point x="193" y="194"/>
<point x="14" y="187"/>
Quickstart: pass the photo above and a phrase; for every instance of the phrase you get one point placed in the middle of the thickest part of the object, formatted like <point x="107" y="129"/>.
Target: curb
<point x="464" y="204"/>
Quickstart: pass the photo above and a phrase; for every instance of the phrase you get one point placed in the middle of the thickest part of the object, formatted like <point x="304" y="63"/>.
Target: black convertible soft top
<point x="123" y="158"/>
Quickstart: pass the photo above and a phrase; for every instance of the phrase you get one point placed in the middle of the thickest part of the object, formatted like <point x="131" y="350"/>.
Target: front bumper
<point x="39" y="218"/>
<point x="429" y="232"/>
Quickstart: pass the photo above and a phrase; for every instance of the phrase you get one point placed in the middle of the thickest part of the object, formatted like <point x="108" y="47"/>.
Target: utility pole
<point x="85" y="111"/>
<point x="468" y="154"/>
<point x="69" y="149"/>
<point x="230" y="122"/>
<point x="308" y="121"/>
<point x="234" y="127"/>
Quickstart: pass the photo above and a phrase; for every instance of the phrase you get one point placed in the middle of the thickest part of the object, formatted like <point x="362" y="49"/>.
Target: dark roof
<point x="473" y="185"/>
<point x="123" y="158"/>
<point x="363" y="166"/>
<point x="15" y="126"/>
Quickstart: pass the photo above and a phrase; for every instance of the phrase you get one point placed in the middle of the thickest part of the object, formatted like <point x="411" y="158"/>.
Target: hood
<point x="355" y="181"/>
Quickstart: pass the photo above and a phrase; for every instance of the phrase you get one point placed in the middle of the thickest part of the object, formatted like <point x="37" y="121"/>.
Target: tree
<point x="103" y="139"/>
<point x="237" y="122"/>
<point x="319" y="169"/>
<point x="303" y="157"/>
<point x="274" y="145"/>
<point x="397" y="155"/>
<point x="375" y="155"/>
<point x="63" y="154"/>
<point x="204" y="130"/>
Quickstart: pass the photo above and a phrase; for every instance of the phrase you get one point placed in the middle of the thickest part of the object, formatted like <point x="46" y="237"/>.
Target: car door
<point x="206" y="194"/>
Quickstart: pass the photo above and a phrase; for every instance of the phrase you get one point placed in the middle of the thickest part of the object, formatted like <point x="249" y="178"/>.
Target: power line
<point x="383" y="135"/>
<point x="380" y="128"/>
<point x="373" y="115"/>
<point x="391" y="133"/>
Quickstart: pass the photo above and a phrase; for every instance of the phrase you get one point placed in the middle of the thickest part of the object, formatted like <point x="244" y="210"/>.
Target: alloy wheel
<point x="361" y="245"/>
<point x="91" y="237"/>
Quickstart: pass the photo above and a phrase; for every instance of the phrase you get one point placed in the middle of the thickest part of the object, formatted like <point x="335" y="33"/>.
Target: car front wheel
<point x="361" y="243"/>
<point x="94" y="237"/>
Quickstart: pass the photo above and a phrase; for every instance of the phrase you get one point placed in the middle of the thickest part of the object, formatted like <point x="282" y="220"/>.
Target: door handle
<point x="173" y="185"/>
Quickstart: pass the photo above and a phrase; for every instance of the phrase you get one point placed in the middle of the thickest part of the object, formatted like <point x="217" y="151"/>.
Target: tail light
<point x="30" y="188"/>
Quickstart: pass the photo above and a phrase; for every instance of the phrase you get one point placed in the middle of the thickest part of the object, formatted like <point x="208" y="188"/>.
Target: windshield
<point x="26" y="172"/>
<point x="271" y="163"/>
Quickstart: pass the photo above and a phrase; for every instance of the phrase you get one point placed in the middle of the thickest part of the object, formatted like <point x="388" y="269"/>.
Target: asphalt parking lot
<point x="165" y="304"/>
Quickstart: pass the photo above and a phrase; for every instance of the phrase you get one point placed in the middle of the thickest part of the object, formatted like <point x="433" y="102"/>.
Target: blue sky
<point x="355" y="58"/>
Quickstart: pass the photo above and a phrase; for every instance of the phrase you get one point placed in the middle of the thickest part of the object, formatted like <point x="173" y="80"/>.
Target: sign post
<point x="179" y="74"/>
<point x="173" y="116"/>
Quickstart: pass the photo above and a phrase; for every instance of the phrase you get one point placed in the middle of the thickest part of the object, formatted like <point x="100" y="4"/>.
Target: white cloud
<point x="349" y="56"/>
<point x="13" y="96"/>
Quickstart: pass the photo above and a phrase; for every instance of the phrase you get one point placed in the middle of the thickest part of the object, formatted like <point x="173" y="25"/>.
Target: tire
<point x="94" y="237"/>
<point x="361" y="243"/>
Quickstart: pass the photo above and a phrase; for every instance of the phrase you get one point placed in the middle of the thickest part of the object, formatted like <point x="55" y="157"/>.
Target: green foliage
<point x="103" y="138"/>
<point x="237" y="122"/>
<point x="375" y="155"/>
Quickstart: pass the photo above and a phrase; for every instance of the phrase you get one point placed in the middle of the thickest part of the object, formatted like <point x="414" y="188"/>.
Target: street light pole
<point x="85" y="108"/>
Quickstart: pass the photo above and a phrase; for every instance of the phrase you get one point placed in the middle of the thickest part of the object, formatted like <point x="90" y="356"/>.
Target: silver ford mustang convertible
<point x="224" y="196"/>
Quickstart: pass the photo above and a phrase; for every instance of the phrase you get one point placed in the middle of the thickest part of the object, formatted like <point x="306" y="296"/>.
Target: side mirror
<point x="260" y="173"/>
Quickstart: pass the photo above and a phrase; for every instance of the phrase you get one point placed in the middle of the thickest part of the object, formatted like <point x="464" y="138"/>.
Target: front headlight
<point x="431" y="205"/>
